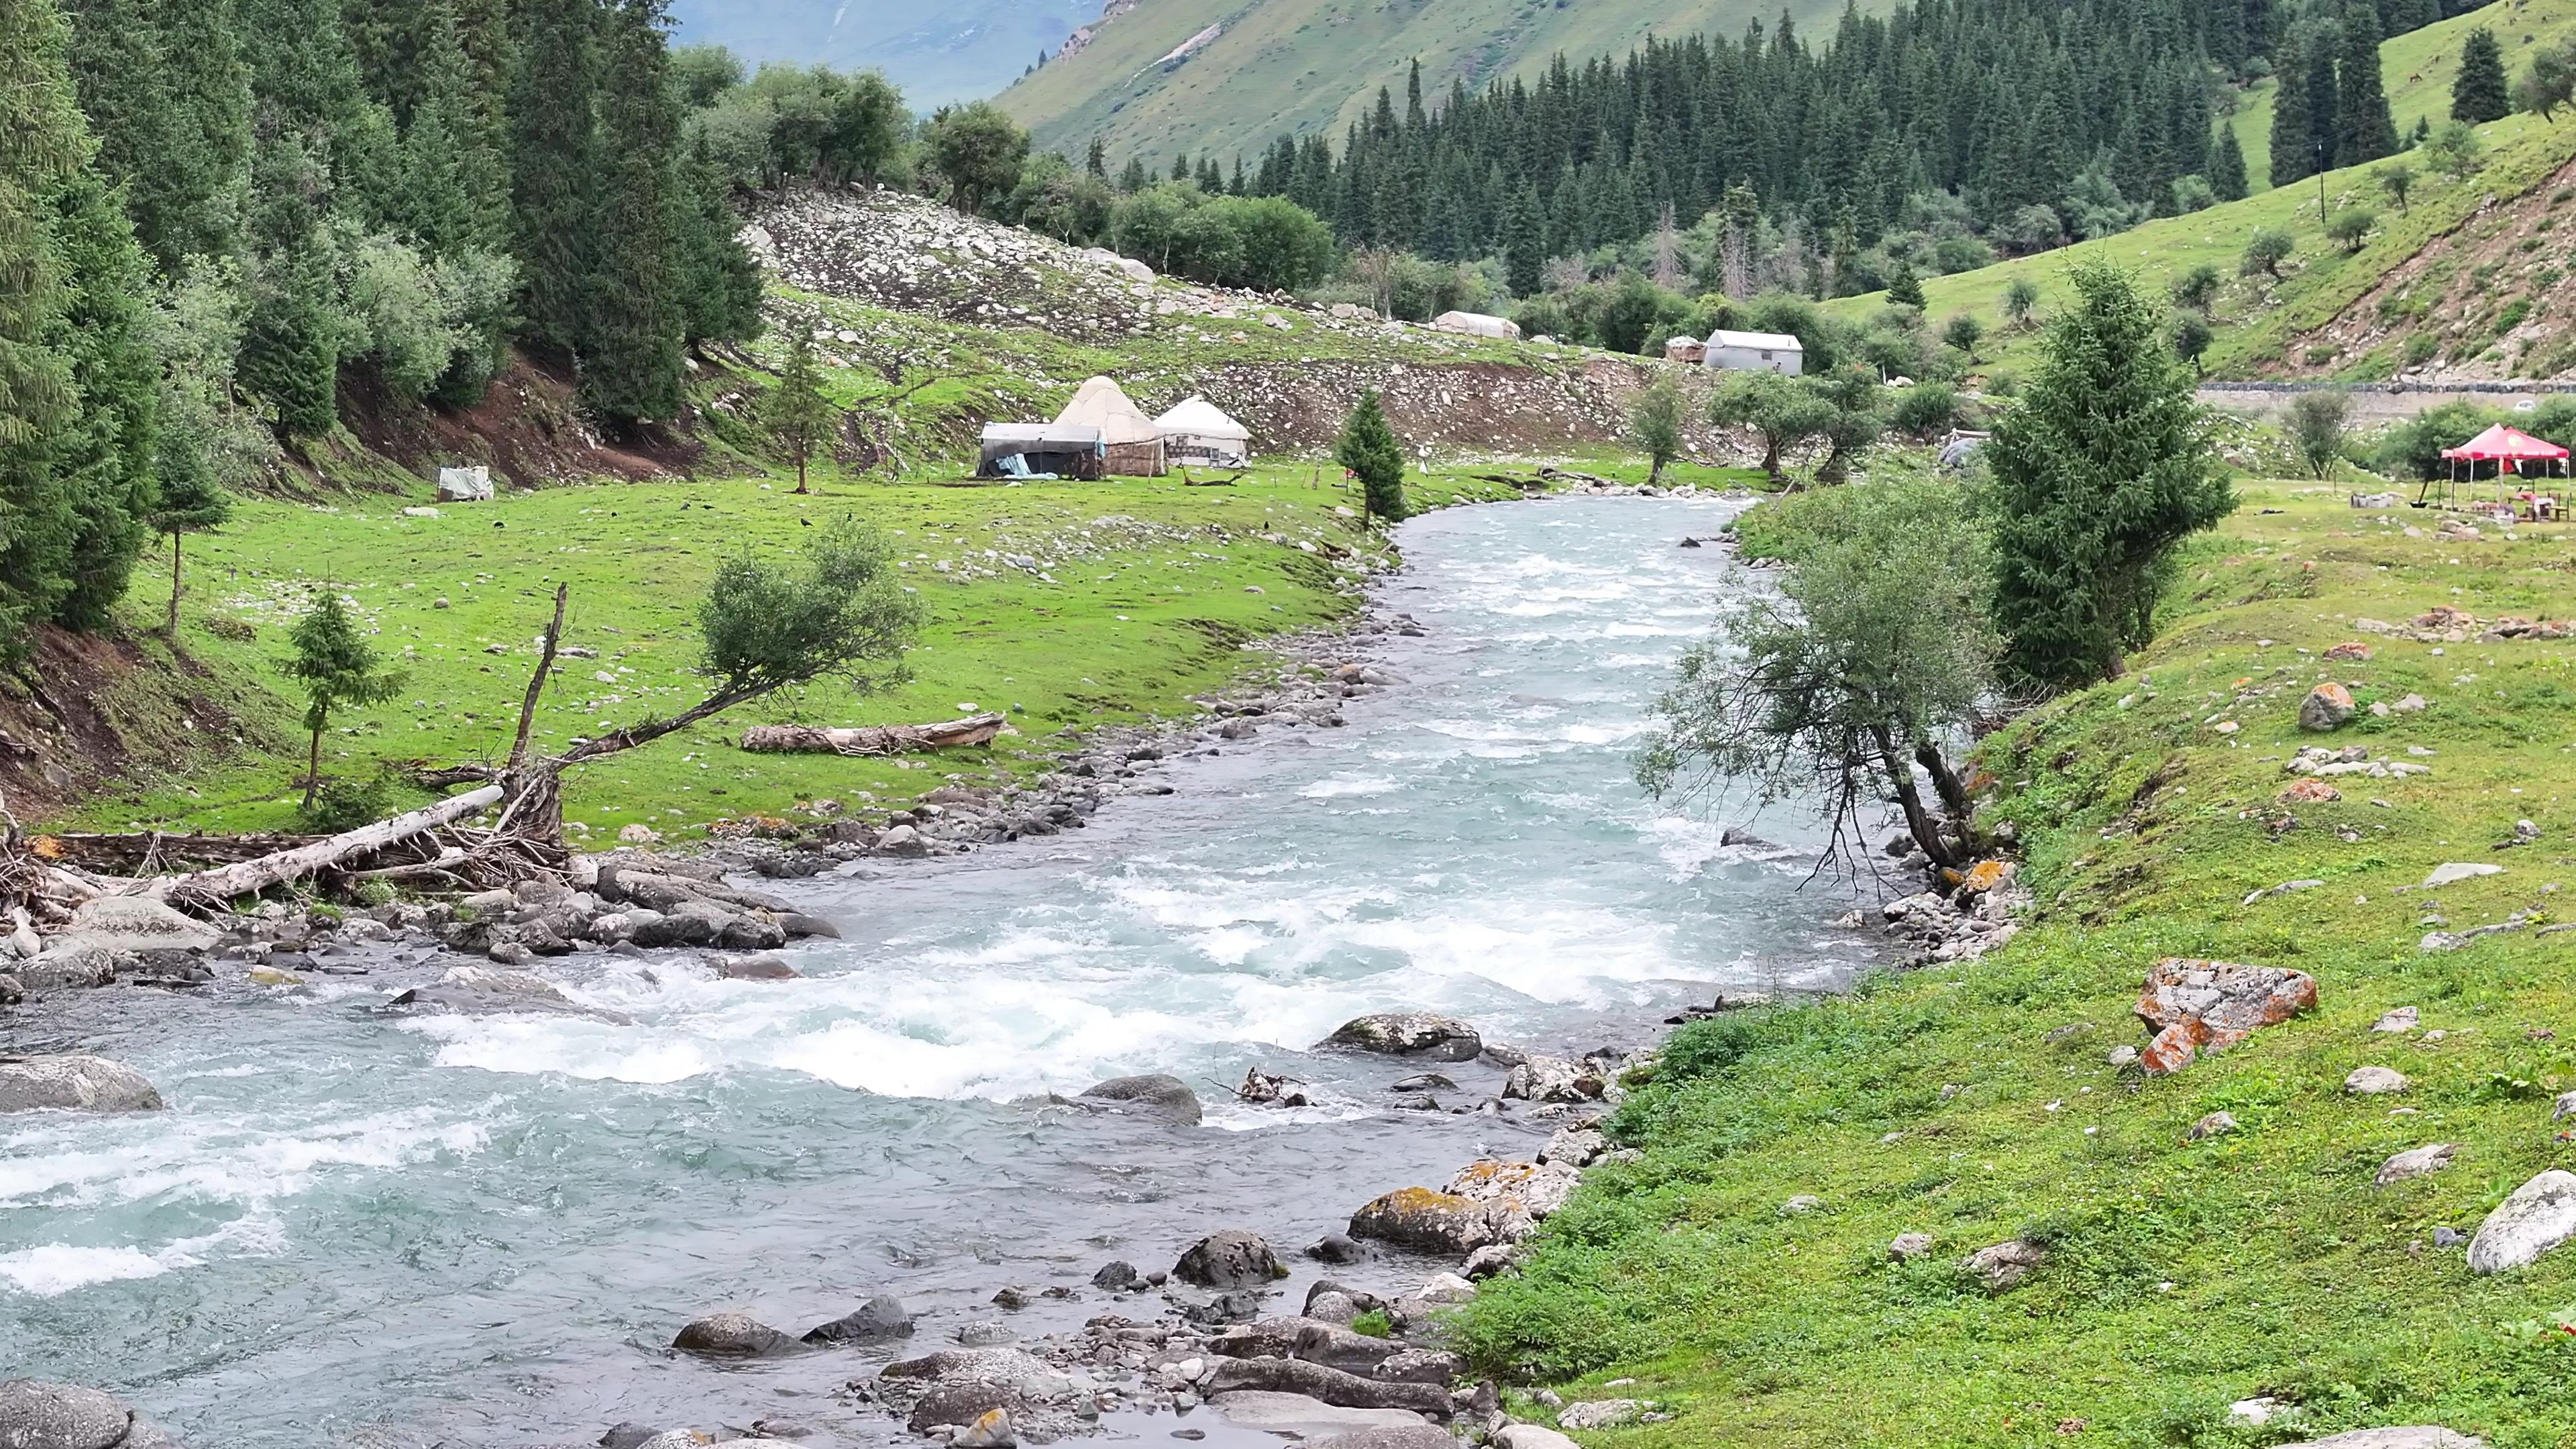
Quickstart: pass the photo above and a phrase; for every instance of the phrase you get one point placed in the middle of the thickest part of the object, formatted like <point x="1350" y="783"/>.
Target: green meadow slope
<point x="1301" y="65"/>
<point x="1977" y="1103"/>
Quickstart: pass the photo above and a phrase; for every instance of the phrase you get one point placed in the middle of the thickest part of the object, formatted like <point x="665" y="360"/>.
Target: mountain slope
<point x="952" y="51"/>
<point x="1296" y="65"/>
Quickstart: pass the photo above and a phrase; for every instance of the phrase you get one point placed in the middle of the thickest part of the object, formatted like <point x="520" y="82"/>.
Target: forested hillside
<point x="220" y="222"/>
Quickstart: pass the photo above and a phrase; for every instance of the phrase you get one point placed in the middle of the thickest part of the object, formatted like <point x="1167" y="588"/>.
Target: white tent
<point x="1477" y="324"/>
<point x="1135" y="445"/>
<point x="1198" y="431"/>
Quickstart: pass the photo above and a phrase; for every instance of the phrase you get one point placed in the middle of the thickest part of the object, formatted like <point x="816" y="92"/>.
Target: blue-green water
<point x="484" y="1230"/>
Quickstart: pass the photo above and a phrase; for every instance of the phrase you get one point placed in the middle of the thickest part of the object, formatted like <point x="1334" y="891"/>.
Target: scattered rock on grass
<point x="2195" y="1006"/>
<point x="2540" y="1215"/>
<point x="2416" y="1162"/>
<point x="2413" y="1436"/>
<point x="2327" y="707"/>
<point x="2004" y="1264"/>
<point x="2456" y="871"/>
<point x="1906" y="1247"/>
<point x="2402" y="1019"/>
<point x="1600" y="1414"/>
<point x="2213" y="1125"/>
<point x="2374" y="1081"/>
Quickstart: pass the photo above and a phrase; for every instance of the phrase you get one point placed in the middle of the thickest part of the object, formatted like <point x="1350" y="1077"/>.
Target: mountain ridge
<point x="962" y="50"/>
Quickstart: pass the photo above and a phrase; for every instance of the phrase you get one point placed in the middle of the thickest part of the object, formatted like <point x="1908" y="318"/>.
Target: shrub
<point x="346" y="804"/>
<point x="1926" y="409"/>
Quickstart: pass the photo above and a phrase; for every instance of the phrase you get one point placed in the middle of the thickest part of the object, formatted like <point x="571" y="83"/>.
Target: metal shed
<point x="1756" y="352"/>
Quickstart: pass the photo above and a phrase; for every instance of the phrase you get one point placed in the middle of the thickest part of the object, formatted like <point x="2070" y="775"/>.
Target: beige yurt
<point x="1133" y="445"/>
<point x="1198" y="431"/>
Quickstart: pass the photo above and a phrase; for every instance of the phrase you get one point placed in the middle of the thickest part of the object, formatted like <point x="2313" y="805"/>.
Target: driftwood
<point x="143" y="852"/>
<point x="218" y="887"/>
<point x="873" y="739"/>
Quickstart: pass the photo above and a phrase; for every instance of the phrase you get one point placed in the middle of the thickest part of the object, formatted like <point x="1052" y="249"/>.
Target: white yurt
<point x="1133" y="445"/>
<point x="1198" y="431"/>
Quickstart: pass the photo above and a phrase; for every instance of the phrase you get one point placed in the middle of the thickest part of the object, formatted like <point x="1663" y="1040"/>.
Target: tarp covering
<point x="1018" y="450"/>
<point x="2501" y="444"/>
<point x="1199" y="418"/>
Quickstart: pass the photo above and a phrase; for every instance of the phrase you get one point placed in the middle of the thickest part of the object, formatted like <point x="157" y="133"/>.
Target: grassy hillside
<point x="2417" y="68"/>
<point x="2260" y="321"/>
<point x="1300" y="65"/>
<point x="1976" y="1103"/>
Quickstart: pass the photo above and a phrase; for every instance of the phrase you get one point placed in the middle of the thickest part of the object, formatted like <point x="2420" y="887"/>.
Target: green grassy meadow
<point x="2183" y="1276"/>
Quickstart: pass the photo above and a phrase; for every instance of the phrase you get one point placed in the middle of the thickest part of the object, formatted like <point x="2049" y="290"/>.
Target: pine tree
<point x="720" y="282"/>
<point x="105" y="454"/>
<point x="632" y="337"/>
<point x="2104" y="466"/>
<point x="2364" y="130"/>
<point x="189" y="503"/>
<point x="2479" y="93"/>
<point x="1524" y="245"/>
<point x="42" y="144"/>
<point x="796" y="412"/>
<point x="553" y="126"/>
<point x="336" y="667"/>
<point x="2293" y="115"/>
<point x="2227" y="166"/>
<point x="1368" y="448"/>
<point x="1904" y="288"/>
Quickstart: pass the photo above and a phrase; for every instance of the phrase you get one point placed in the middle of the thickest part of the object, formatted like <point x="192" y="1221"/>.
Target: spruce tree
<point x="1524" y="245"/>
<point x="2293" y="115"/>
<point x="2364" y="130"/>
<point x="552" y="143"/>
<point x="2325" y="98"/>
<point x="630" y="340"/>
<point x="2101" y="469"/>
<point x="720" y="282"/>
<point x="2227" y="166"/>
<point x="796" y="412"/>
<point x="168" y="98"/>
<point x="2479" y="93"/>
<point x="1368" y="448"/>
<point x="336" y="666"/>
<point x="105" y="453"/>
<point x="1904" y="288"/>
<point x="42" y="145"/>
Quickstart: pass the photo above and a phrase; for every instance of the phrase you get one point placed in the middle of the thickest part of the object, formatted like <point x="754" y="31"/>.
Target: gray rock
<point x="12" y="990"/>
<point x="2374" y="1081"/>
<point x="39" y="1415"/>
<point x="903" y="841"/>
<point x="2416" y="1162"/>
<point x="1552" y="1079"/>
<point x="877" y="1319"/>
<point x="676" y="1439"/>
<point x="2123" y="1055"/>
<point x="2456" y="871"/>
<point x="1119" y="1276"/>
<point x="628" y="1435"/>
<point x="1420" y="1366"/>
<point x="2448" y="1237"/>
<point x="690" y="922"/>
<point x="991" y="1430"/>
<point x="731" y="1335"/>
<point x="480" y="991"/>
<point x="2403" y="1019"/>
<point x="799" y="926"/>
<point x="1408" y="1436"/>
<point x="984" y="1334"/>
<point x="2540" y="1215"/>
<point x="2213" y="1125"/>
<point x="764" y="967"/>
<point x="1490" y="1261"/>
<point x="1304" y="1416"/>
<point x="75" y="1084"/>
<point x="138" y="923"/>
<point x="1532" y="1436"/>
<point x="1905" y="1247"/>
<point x="965" y="1401"/>
<point x="1342" y="1248"/>
<point x="1573" y="1147"/>
<point x="2436" y="942"/>
<point x="1409" y="1034"/>
<point x="1158" y="1095"/>
<point x="1330" y="1385"/>
<point x="2327" y="707"/>
<point x="1333" y="1307"/>
<point x="1599" y="1414"/>
<point x="72" y="966"/>
<point x="2004" y="1264"/>
<point x="2565" y="1107"/>
<point x="2412" y="1437"/>
<point x="1230" y="1259"/>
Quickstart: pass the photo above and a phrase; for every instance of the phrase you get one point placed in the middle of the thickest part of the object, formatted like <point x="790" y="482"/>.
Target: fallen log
<point x="872" y="739"/>
<point x="138" y="852"/>
<point x="216" y="888"/>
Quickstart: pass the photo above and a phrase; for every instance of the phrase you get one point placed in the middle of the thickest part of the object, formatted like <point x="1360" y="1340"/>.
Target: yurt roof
<point x="1102" y="404"/>
<point x="1199" y="418"/>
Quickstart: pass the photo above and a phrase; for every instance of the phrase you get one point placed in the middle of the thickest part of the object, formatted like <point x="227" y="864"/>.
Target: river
<point x="483" y="1231"/>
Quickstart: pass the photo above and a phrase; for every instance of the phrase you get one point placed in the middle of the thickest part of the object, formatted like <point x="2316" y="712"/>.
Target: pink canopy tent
<point x="2511" y="451"/>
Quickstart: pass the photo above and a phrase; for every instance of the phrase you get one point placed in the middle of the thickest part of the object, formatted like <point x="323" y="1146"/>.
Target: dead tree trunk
<point x="874" y="739"/>
<point x="217" y="888"/>
<point x="532" y="798"/>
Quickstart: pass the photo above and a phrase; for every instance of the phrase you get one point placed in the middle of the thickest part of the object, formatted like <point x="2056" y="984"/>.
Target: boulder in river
<point x="1340" y="1248"/>
<point x="768" y="966"/>
<point x="1329" y="1385"/>
<point x="1553" y="1079"/>
<point x="1410" y="1034"/>
<point x="731" y="1335"/>
<point x="1304" y="1416"/>
<point x="2538" y="1216"/>
<point x="76" y="1084"/>
<point x="1430" y="1222"/>
<point x="481" y="991"/>
<point x="1157" y="1095"/>
<point x="1119" y="1276"/>
<point x="1534" y="1188"/>
<point x="1402" y="1436"/>
<point x="1228" y="1260"/>
<point x="877" y="1319"/>
<point x="69" y="965"/>
<point x="35" y="1414"/>
<point x="139" y="924"/>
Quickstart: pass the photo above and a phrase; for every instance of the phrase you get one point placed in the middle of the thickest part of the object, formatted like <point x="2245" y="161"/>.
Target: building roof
<point x="1196" y="417"/>
<point x="1102" y="404"/>
<point x="1763" y="341"/>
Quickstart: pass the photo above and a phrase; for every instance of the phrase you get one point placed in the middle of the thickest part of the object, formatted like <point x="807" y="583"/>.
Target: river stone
<point x="2410" y="1437"/>
<point x="1537" y="1189"/>
<point x="1329" y="1344"/>
<point x="692" y="922"/>
<point x="1303" y="1416"/>
<point x="1408" y="1436"/>
<point x="2374" y="1081"/>
<point x="481" y="991"/>
<point x="628" y="1435"/>
<point x="138" y="924"/>
<point x="1119" y="1276"/>
<point x="1574" y="1147"/>
<point x="878" y="1318"/>
<point x="39" y="1415"/>
<point x="2539" y="1216"/>
<point x="2003" y="1264"/>
<point x="730" y="1335"/>
<point x="12" y="990"/>
<point x="799" y="926"/>
<point x="73" y="1083"/>
<point x="1599" y="1414"/>
<point x="1420" y="1366"/>
<point x="1532" y="1436"/>
<point x="1328" y="1385"/>
<point x="1157" y="1095"/>
<point x="966" y="1401"/>
<point x="71" y="966"/>
<point x="1228" y="1260"/>
<point x="1552" y="1079"/>
<point x="1431" y="1222"/>
<point x="764" y="967"/>
<point x="1361" y="1299"/>
<point x="991" y="1430"/>
<point x="1342" y="1248"/>
<point x="2415" y="1162"/>
<point x="1409" y="1034"/>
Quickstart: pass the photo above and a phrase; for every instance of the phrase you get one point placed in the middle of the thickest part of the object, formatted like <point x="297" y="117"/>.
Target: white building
<point x="1755" y="351"/>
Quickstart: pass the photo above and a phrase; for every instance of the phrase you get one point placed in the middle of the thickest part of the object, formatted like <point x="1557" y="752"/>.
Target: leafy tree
<point x="2478" y="92"/>
<point x="2455" y="149"/>
<point x="1655" y="422"/>
<point x="2364" y="130"/>
<point x="2104" y="466"/>
<point x="2317" y="424"/>
<point x="797" y="413"/>
<point x="2094" y="204"/>
<point x="1871" y="663"/>
<point x="1963" y="332"/>
<point x="211" y="437"/>
<point x="2397" y="178"/>
<point x="1904" y="288"/>
<point x="2227" y="175"/>
<point x="2197" y="288"/>
<point x="2021" y="299"/>
<point x="2191" y="340"/>
<point x="2265" y="251"/>
<point x="1778" y="411"/>
<point x="336" y="667"/>
<point x="2550" y="82"/>
<point x="2352" y="227"/>
<point x="1368" y="448"/>
<point x="978" y="149"/>
<point x="1850" y="399"/>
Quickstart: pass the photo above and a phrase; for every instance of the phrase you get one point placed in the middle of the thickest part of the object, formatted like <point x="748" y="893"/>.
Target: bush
<point x="2265" y="251"/>
<point x="1926" y="409"/>
<point x="346" y="805"/>
<point x="2351" y="227"/>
